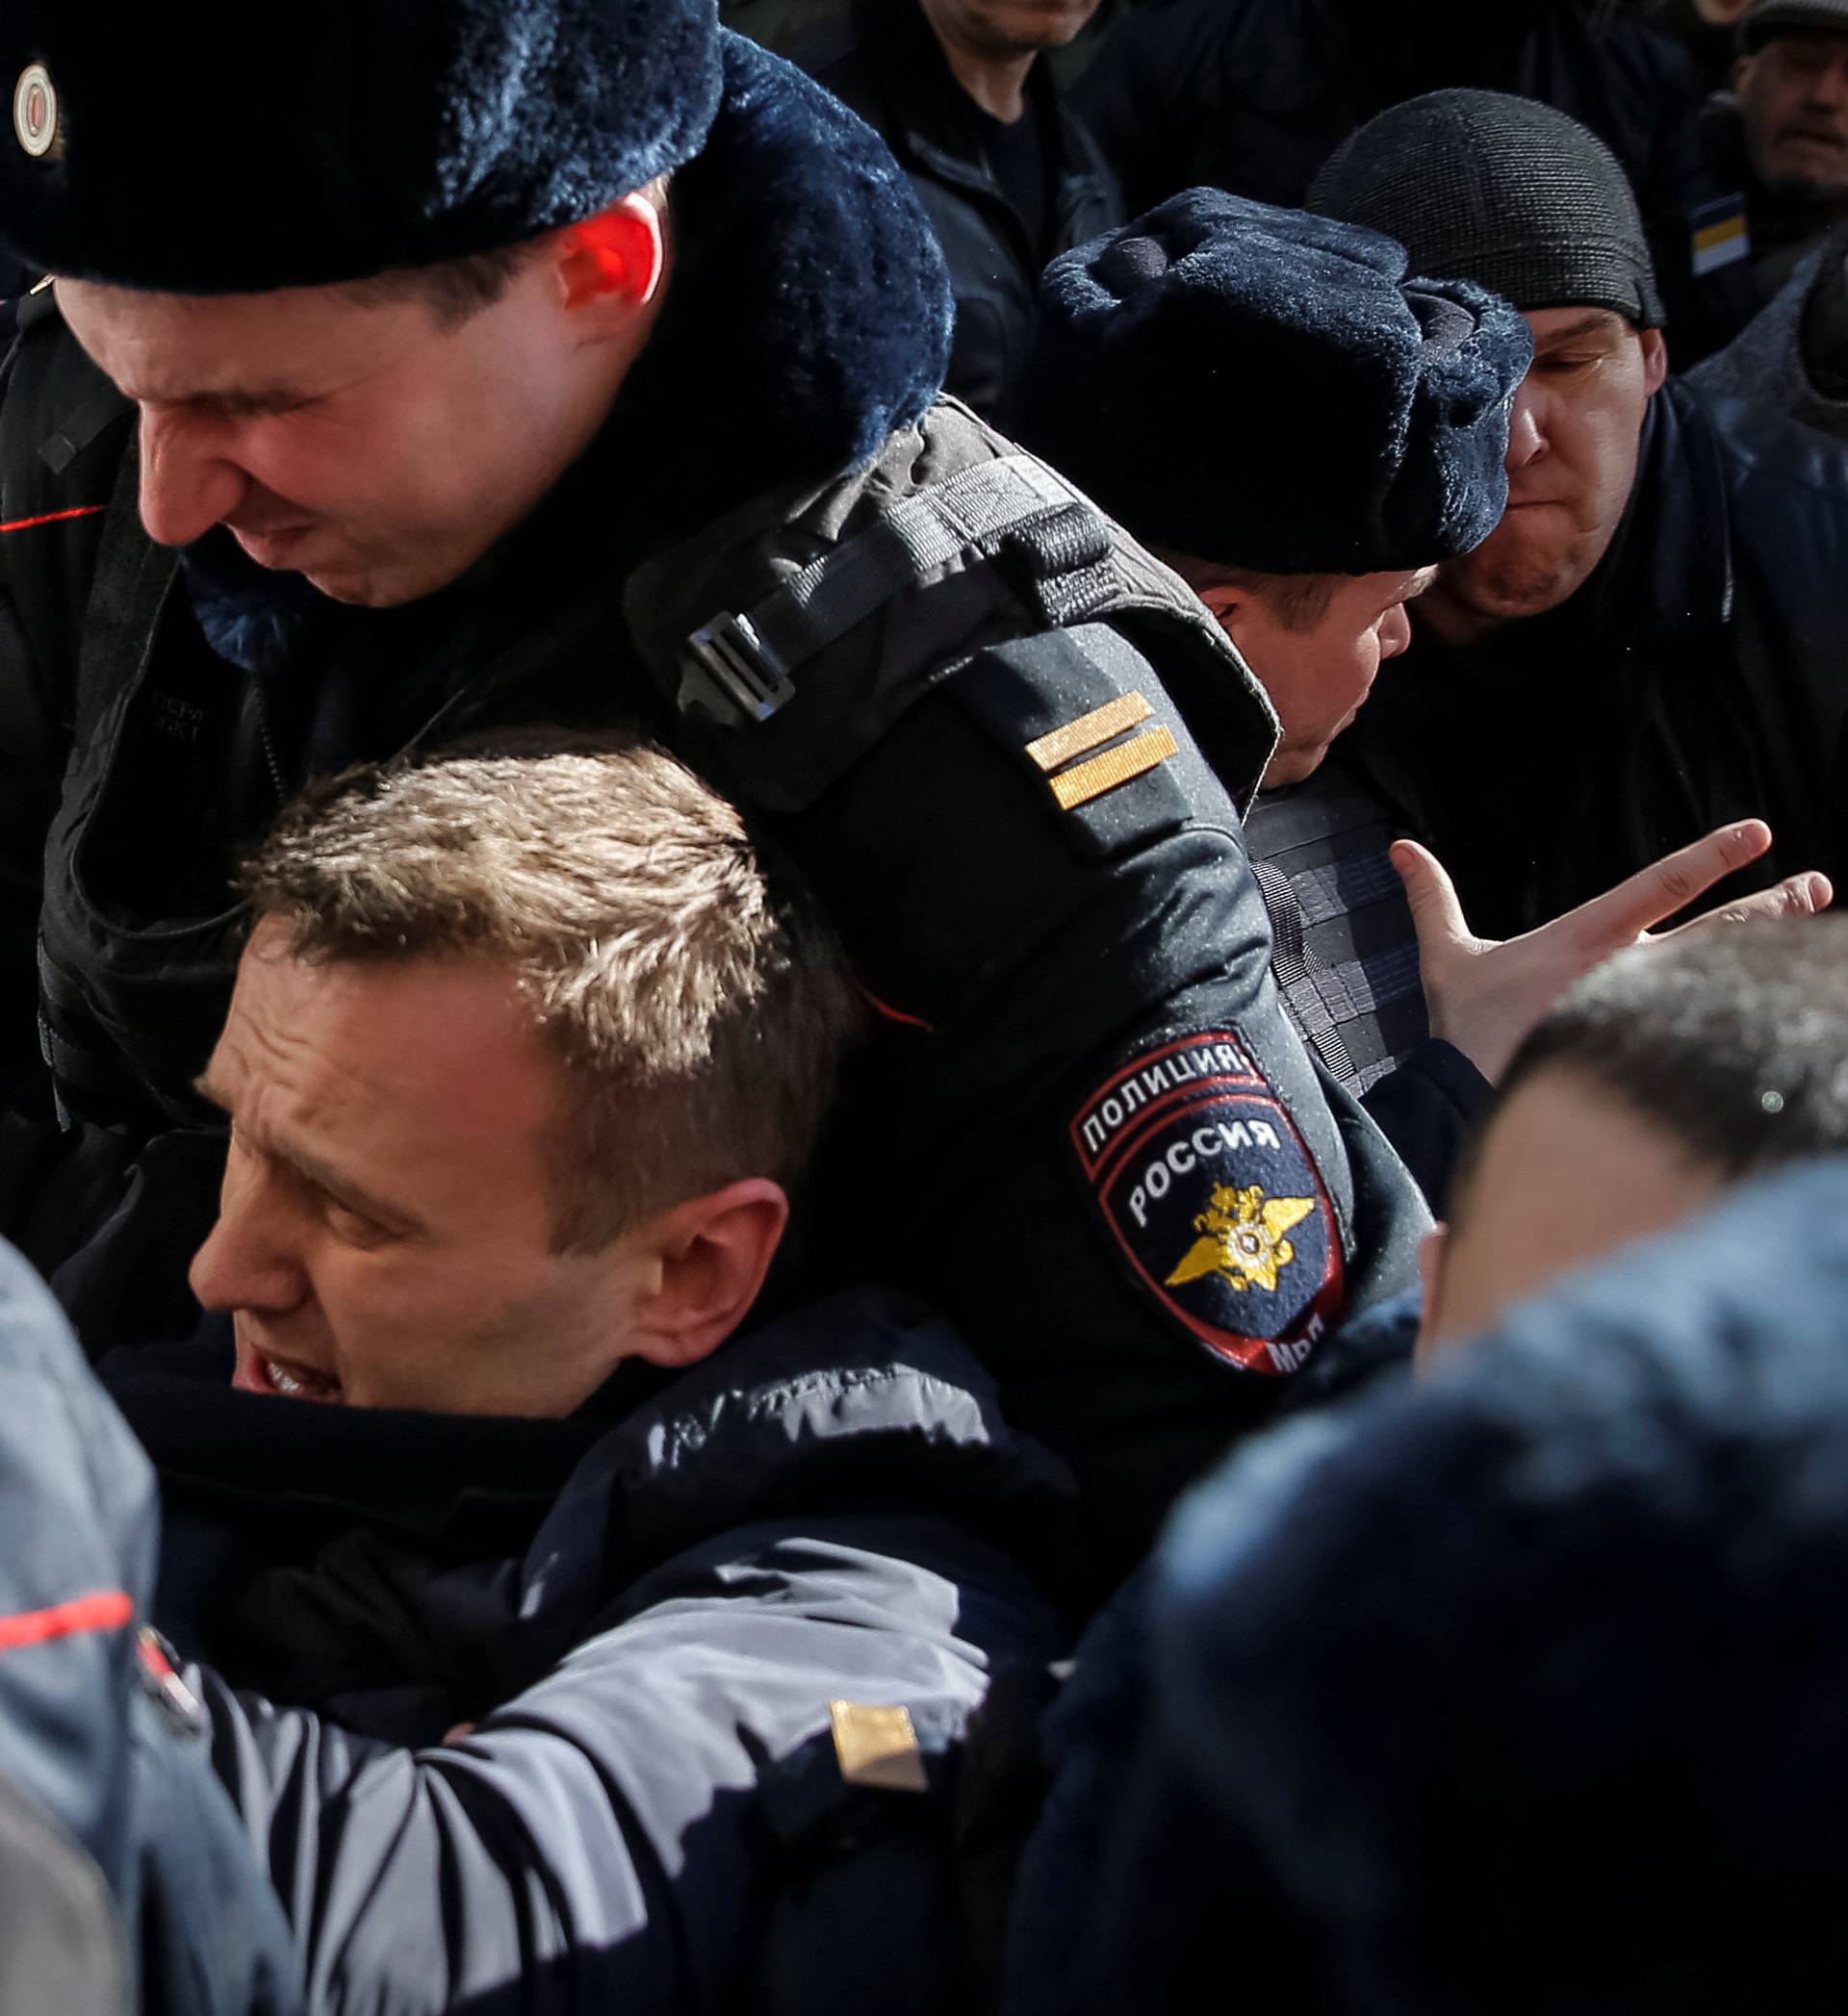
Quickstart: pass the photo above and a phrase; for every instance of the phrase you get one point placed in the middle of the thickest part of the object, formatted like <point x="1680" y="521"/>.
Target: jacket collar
<point x="862" y="1404"/>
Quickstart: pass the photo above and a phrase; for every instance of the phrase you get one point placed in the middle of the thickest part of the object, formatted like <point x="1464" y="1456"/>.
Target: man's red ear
<point x="615" y="254"/>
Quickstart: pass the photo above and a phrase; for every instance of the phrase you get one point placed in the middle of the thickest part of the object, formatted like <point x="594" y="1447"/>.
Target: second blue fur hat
<point x="1268" y="390"/>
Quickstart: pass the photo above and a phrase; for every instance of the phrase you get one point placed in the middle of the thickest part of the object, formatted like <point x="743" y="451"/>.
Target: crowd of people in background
<point x="921" y="1079"/>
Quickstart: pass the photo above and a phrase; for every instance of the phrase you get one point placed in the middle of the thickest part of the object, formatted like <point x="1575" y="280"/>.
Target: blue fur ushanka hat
<point x="200" y="147"/>
<point x="1266" y="389"/>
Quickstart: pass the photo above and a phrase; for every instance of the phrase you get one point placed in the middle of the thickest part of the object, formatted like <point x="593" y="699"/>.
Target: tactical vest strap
<point x="741" y="669"/>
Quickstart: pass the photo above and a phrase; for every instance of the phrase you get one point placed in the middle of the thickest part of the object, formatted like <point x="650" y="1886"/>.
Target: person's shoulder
<point x="833" y="50"/>
<point x="1194" y="28"/>
<point x="1766" y="457"/>
<point x="1639" y="42"/>
<point x="868" y="1389"/>
<point x="63" y="424"/>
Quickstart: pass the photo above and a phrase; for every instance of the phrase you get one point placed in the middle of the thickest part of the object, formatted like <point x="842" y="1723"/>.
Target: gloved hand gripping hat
<point x="202" y="148"/>
<point x="1267" y="389"/>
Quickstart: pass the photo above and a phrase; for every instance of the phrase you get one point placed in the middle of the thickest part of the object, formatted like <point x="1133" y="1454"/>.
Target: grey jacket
<point x="1774" y="361"/>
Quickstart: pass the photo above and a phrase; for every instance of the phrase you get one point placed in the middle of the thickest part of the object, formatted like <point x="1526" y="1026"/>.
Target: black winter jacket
<point x="1700" y="675"/>
<point x="882" y="59"/>
<point x="1084" y="1042"/>
<point x="1253" y="95"/>
<point x="651" y="1616"/>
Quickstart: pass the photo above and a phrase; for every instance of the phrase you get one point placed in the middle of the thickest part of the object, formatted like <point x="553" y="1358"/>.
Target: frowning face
<point x="1573" y="446"/>
<point x="367" y="446"/>
<point x="1794" y="97"/>
<point x="385" y="1236"/>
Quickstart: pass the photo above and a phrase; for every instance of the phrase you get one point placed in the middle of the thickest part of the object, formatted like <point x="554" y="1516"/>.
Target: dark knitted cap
<point x="1501" y="191"/>
<point x="1264" y="388"/>
<point x="1765" y="18"/>
<point x="207" y="146"/>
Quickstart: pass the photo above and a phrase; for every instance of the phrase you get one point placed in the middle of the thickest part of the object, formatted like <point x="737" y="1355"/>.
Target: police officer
<point x="580" y="365"/>
<point x="1150" y="339"/>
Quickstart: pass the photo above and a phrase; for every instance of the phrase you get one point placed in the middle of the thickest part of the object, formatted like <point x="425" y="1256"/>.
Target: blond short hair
<point x="698" y="1013"/>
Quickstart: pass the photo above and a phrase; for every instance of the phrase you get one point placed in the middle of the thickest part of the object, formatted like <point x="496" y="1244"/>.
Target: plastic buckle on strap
<point x="728" y="674"/>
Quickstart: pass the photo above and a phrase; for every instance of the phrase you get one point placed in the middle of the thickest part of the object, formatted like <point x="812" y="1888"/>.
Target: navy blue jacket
<point x="649" y="1812"/>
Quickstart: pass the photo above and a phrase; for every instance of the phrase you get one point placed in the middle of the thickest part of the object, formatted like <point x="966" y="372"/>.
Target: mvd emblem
<point x="1214" y="1200"/>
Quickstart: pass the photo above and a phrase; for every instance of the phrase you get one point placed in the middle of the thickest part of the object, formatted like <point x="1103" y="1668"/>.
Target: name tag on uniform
<point x="1721" y="235"/>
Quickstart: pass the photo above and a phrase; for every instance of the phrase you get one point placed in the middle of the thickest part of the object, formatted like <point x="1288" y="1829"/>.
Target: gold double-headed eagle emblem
<point x="1243" y="1239"/>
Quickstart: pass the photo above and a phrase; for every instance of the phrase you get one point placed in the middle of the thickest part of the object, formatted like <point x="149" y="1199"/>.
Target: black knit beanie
<point x="1511" y="194"/>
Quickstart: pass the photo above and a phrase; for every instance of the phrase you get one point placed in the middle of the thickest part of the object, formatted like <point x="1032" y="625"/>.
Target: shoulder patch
<point x="1214" y="1199"/>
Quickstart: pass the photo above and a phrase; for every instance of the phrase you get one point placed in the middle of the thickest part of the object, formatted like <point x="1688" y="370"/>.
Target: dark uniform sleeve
<point x="1425" y="1109"/>
<point x="32" y="767"/>
<point x="62" y="429"/>
<point x="658" y="1820"/>
<point x="1099" y="1142"/>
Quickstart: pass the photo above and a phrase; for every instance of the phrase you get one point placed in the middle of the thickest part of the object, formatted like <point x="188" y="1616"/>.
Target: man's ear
<point x="712" y="1255"/>
<point x="616" y="257"/>
<point x="1655" y="360"/>
<point x="1430" y="1274"/>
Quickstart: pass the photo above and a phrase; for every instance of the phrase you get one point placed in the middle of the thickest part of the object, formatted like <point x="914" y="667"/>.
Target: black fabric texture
<point x="1016" y="152"/>
<point x="1713" y="45"/>
<point x="880" y="57"/>
<point x="1501" y="191"/>
<point x="1427" y="1106"/>
<point x="1253" y="96"/>
<point x="1379" y="438"/>
<point x="1825" y="322"/>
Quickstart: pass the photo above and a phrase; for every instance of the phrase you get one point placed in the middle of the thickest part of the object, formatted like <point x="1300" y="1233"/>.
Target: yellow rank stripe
<point x="1720" y="234"/>
<point x="1078" y="738"/>
<point x="1084" y="782"/>
<point x="877" y="1746"/>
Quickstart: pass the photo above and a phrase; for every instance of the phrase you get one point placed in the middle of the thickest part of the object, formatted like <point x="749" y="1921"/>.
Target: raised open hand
<point x="1483" y="995"/>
